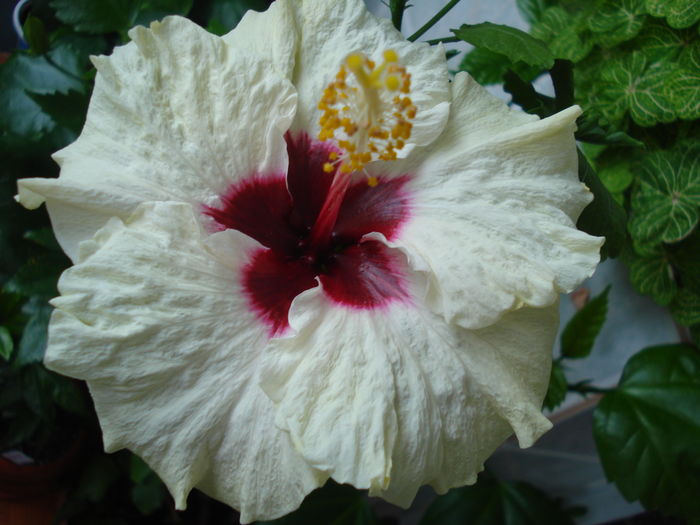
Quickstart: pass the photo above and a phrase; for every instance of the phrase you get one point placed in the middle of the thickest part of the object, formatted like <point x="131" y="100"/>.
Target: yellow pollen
<point x="392" y="82"/>
<point x="372" y="182"/>
<point x="367" y="113"/>
<point x="391" y="56"/>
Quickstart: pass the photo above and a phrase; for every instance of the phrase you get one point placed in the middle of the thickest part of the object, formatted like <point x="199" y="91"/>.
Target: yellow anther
<point x="365" y="112"/>
<point x="372" y="182"/>
<point x="355" y="62"/>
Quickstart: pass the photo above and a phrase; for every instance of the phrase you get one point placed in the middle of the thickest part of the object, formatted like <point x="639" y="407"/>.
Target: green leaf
<point x="23" y="75"/>
<point x="579" y="335"/>
<point x="151" y="10"/>
<point x="509" y="41"/>
<point x="532" y="10"/>
<point x="682" y="88"/>
<point x="35" y="35"/>
<point x="665" y="201"/>
<point x="628" y="84"/>
<point x="563" y="34"/>
<point x="38" y="276"/>
<point x="678" y="13"/>
<point x="616" y="21"/>
<point x="149" y="495"/>
<point x="604" y="216"/>
<point x="686" y="261"/>
<point x="660" y="43"/>
<point x="331" y="505"/>
<point x="648" y="429"/>
<point x="493" y="501"/>
<point x="138" y="469"/>
<point x="615" y="169"/>
<point x="105" y="16"/>
<point x="652" y="275"/>
<point x="68" y="395"/>
<point x="96" y="479"/>
<point x="37" y="391"/>
<point x="525" y="96"/>
<point x="556" y="392"/>
<point x="43" y="237"/>
<point x="6" y="343"/>
<point x="488" y="67"/>
<point x="686" y="307"/>
<point x="224" y="15"/>
<point x="32" y="345"/>
<point x="594" y="130"/>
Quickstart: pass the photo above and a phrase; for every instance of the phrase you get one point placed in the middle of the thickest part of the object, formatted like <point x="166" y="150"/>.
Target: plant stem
<point x="430" y="23"/>
<point x="583" y="389"/>
<point x="444" y="40"/>
<point x="397" y="8"/>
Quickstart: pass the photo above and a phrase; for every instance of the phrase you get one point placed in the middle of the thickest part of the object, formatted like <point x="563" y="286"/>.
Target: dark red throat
<point x="282" y="213"/>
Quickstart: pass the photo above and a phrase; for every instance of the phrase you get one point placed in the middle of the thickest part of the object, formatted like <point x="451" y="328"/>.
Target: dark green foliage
<point x="556" y="392"/>
<point x="580" y="333"/>
<point x="333" y="504"/>
<point x="493" y="501"/>
<point x="648" y="429"/>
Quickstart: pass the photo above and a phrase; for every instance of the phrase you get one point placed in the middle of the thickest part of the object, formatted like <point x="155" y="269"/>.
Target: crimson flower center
<point x="280" y="213"/>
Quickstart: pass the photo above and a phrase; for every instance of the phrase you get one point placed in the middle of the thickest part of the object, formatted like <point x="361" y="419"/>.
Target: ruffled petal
<point x="393" y="398"/>
<point x="494" y="210"/>
<point x="153" y="317"/>
<point x="273" y="36"/>
<point x="168" y="119"/>
<point x="324" y="34"/>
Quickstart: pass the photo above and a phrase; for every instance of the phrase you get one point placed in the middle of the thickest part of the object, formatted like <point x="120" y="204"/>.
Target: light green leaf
<point x="579" y="335"/>
<point x="678" y="13"/>
<point x="648" y="429"/>
<point x="517" y="45"/>
<point x="615" y="169"/>
<point x="665" y="201"/>
<point x="686" y="307"/>
<point x="653" y="275"/>
<point x="617" y="21"/>
<point x="631" y="86"/>
<point x="556" y="392"/>
<point x="564" y="33"/>
<point x="6" y="343"/>
<point x="492" y="501"/>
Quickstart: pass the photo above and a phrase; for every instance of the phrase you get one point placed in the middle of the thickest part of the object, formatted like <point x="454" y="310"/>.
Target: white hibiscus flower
<point x="251" y="328"/>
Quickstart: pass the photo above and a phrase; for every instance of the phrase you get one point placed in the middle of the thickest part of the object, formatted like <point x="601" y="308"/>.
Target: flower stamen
<point x="367" y="111"/>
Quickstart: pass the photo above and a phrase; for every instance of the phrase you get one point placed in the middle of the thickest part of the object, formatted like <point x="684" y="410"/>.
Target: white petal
<point x="326" y="33"/>
<point x="155" y="321"/>
<point x="391" y="400"/>
<point x="494" y="212"/>
<point x="175" y="115"/>
<point x="273" y="36"/>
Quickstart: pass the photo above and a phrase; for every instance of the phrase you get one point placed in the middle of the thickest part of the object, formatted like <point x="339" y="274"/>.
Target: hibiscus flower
<point x="301" y="252"/>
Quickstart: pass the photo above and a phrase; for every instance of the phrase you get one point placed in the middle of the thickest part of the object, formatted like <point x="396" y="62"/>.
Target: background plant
<point x="633" y="65"/>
